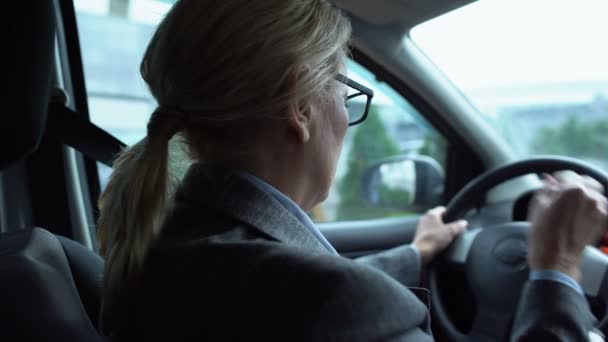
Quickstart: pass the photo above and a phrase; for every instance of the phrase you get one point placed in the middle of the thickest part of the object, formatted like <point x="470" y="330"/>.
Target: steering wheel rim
<point x="476" y="189"/>
<point x="474" y="193"/>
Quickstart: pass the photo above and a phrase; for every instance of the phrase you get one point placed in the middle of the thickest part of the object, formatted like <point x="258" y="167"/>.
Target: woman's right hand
<point x="567" y="214"/>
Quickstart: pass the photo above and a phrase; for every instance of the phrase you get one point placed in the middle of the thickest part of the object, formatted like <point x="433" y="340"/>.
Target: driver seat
<point x="49" y="285"/>
<point x="43" y="295"/>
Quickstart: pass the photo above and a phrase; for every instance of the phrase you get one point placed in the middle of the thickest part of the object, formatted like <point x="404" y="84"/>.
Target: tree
<point x="435" y="146"/>
<point x="119" y="8"/>
<point x="394" y="197"/>
<point x="574" y="138"/>
<point x="370" y="143"/>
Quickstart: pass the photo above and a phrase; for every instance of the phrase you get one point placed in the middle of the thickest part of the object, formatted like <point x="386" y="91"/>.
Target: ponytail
<point x="132" y="209"/>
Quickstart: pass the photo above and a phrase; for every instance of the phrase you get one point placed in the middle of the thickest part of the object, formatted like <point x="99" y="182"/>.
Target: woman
<point x="257" y="89"/>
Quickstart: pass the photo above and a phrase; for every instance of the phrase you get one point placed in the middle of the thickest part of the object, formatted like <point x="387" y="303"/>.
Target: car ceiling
<point x="404" y="14"/>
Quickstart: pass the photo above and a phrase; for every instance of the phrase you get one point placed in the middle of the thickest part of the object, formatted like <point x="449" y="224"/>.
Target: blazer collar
<point x="229" y="193"/>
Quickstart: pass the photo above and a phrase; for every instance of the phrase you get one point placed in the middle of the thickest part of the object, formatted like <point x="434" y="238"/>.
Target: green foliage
<point x="370" y="143"/>
<point x="574" y="138"/>
<point x="367" y="212"/>
<point x="394" y="198"/>
<point x="435" y="146"/>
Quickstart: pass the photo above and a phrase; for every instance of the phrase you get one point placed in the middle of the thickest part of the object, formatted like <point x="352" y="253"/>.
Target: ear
<point x="299" y="119"/>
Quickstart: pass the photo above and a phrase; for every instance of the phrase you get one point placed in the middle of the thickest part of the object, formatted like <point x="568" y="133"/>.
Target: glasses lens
<point x="355" y="104"/>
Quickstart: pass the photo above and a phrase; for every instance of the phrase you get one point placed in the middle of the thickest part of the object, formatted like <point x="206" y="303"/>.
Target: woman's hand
<point x="433" y="236"/>
<point x="567" y="214"/>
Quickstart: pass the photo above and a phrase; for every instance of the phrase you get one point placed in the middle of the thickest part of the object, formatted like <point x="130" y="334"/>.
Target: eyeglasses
<point x="358" y="100"/>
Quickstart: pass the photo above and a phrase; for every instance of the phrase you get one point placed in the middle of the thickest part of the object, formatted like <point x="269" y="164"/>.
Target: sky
<point x="497" y="51"/>
<point x="497" y="43"/>
<point x="491" y="43"/>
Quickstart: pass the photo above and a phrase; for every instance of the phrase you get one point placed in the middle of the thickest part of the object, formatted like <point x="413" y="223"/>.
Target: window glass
<point x="114" y="35"/>
<point x="536" y="70"/>
<point x="393" y="129"/>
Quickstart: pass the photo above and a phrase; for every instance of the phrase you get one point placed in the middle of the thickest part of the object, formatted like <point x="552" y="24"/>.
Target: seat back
<point x="87" y="271"/>
<point x="49" y="286"/>
<point x="40" y="301"/>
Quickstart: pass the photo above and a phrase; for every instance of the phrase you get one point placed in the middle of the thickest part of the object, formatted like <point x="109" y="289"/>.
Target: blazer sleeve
<point x="401" y="263"/>
<point x="363" y="304"/>
<point x="551" y="311"/>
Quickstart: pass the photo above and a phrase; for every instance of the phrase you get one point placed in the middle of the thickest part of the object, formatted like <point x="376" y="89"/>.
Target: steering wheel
<point x="494" y="258"/>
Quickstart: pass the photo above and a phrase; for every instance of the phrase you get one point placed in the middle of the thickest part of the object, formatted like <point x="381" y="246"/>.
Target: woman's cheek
<point x="344" y="123"/>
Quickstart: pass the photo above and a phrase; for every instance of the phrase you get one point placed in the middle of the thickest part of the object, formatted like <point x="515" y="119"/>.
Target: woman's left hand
<point x="433" y="235"/>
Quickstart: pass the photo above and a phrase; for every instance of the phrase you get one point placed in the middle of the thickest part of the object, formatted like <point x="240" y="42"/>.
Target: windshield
<point x="536" y="70"/>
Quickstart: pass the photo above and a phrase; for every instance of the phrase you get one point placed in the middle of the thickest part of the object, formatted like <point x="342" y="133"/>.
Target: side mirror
<point x="412" y="183"/>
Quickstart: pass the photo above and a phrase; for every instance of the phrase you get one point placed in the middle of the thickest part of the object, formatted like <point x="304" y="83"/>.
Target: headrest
<point x="28" y="48"/>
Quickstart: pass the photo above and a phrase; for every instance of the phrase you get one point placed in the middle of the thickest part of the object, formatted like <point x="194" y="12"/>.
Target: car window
<point x="393" y="129"/>
<point x="536" y="70"/>
<point x="113" y="37"/>
<point x="120" y="103"/>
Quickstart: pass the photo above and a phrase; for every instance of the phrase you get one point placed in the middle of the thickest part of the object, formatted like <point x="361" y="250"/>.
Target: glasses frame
<point x="369" y="94"/>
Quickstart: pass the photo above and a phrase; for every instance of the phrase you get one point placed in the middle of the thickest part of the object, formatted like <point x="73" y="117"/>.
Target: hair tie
<point x="165" y="122"/>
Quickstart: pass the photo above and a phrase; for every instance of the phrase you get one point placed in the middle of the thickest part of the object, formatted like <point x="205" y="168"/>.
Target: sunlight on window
<point x="493" y="43"/>
<point x="146" y="11"/>
<point x="119" y="100"/>
<point x="537" y="70"/>
<point x="100" y="7"/>
<point x="141" y="11"/>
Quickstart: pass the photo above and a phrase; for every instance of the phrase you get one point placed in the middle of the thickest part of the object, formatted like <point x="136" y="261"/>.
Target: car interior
<point x="58" y="147"/>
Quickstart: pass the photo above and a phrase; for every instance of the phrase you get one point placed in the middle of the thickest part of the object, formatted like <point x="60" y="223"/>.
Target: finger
<point x="593" y="194"/>
<point x="577" y="198"/>
<point x="599" y="217"/>
<point x="573" y="193"/>
<point x="550" y="186"/>
<point x="602" y="205"/>
<point x="548" y="179"/>
<point x="593" y="184"/>
<point x="542" y="201"/>
<point x="437" y="211"/>
<point x="567" y="177"/>
<point x="549" y="182"/>
<point x="458" y="227"/>
<point x="547" y="194"/>
<point x="604" y="209"/>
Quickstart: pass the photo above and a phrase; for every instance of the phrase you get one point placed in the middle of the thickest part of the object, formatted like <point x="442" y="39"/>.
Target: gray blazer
<point x="233" y="264"/>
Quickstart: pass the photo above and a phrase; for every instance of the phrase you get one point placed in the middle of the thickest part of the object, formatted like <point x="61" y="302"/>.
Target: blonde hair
<point x="211" y="65"/>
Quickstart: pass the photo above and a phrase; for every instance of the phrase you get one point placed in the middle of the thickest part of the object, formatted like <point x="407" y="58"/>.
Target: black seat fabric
<point x="49" y="286"/>
<point x="40" y="301"/>
<point x="28" y="37"/>
<point x="87" y="271"/>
